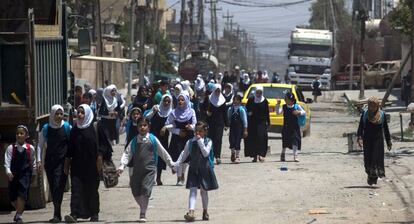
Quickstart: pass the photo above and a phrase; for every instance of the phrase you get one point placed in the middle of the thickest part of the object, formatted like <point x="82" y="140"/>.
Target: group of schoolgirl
<point x="65" y="152"/>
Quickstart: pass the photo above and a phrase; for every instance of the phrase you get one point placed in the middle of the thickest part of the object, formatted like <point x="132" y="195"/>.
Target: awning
<point x="105" y="59"/>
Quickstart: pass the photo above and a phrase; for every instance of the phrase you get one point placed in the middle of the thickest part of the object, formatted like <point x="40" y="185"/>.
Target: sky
<point x="270" y="26"/>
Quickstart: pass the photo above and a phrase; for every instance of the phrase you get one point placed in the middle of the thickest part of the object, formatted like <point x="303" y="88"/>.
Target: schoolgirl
<point x="228" y="94"/>
<point x="143" y="99"/>
<point x="20" y="164"/>
<point x="141" y="157"/>
<point x="109" y="112"/>
<point x="259" y="121"/>
<point x="56" y="135"/>
<point x="291" y="137"/>
<point x="217" y="120"/>
<point x="158" y="116"/>
<point x="237" y="116"/>
<point x="201" y="170"/>
<point x="130" y="126"/>
<point x="316" y="88"/>
<point x="181" y="123"/>
<point x="84" y="160"/>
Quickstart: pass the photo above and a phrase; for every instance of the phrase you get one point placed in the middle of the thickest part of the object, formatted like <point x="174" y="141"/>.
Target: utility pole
<point x="99" y="46"/>
<point x="228" y="17"/>
<point x="200" y="19"/>
<point x="156" y="32"/>
<point x="191" y="9"/>
<point x="412" y="59"/>
<point x="362" y="16"/>
<point x="351" y="69"/>
<point x="213" y="44"/>
<point x="142" y="45"/>
<point x="131" y="43"/>
<point x="216" y="38"/>
<point x="182" y="22"/>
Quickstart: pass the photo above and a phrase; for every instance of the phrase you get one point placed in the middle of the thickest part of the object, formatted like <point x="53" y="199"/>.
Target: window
<point x="271" y="92"/>
<point x="300" y="95"/>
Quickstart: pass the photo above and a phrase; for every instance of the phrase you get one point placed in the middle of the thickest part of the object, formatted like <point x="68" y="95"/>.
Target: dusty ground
<point x="326" y="178"/>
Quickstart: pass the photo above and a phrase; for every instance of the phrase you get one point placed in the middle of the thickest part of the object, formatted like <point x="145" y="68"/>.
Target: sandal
<point x="282" y="157"/>
<point x="233" y="157"/>
<point x="189" y="217"/>
<point x="206" y="217"/>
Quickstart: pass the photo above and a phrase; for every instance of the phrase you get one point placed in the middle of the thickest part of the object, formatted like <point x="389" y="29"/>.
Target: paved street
<point x="326" y="180"/>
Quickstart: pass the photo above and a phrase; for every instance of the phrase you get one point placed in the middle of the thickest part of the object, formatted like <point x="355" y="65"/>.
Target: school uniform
<point x="258" y="120"/>
<point x="141" y="157"/>
<point x="20" y="161"/>
<point x="158" y="121"/>
<point x="201" y="170"/>
<point x="238" y="122"/>
<point x="291" y="130"/>
<point x="217" y="119"/>
<point x="83" y="152"/>
<point x="110" y="104"/>
<point x="316" y="88"/>
<point x="56" y="136"/>
<point x="175" y="126"/>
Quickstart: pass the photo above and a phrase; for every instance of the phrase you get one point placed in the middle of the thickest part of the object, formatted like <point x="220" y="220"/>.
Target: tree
<point x="321" y="15"/>
<point x="400" y="17"/>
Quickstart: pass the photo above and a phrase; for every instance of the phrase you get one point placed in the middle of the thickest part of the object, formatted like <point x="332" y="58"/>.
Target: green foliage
<point x="400" y="18"/>
<point x="321" y="15"/>
<point x="150" y="39"/>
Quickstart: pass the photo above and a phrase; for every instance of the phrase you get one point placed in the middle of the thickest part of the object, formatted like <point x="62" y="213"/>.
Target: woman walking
<point x="55" y="135"/>
<point x="181" y="123"/>
<point x="259" y="121"/>
<point x="217" y="120"/>
<point x="84" y="161"/>
<point x="157" y="117"/>
<point x="316" y="88"/>
<point x="109" y="112"/>
<point x="371" y="131"/>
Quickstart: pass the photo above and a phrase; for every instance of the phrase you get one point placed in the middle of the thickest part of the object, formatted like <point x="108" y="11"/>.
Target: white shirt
<point x="279" y="109"/>
<point x="170" y="124"/>
<point x="205" y="149"/>
<point x="8" y="155"/>
<point x="127" y="155"/>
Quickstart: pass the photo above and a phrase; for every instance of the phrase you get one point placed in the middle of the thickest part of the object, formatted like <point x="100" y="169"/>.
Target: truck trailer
<point x="33" y="77"/>
<point x="310" y="55"/>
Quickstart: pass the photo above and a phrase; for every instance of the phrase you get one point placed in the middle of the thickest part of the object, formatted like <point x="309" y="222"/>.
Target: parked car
<point x="273" y="92"/>
<point x="381" y="73"/>
<point x="341" y="78"/>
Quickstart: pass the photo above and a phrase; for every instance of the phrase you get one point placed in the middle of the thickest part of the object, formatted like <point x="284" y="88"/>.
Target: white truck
<point x="310" y="55"/>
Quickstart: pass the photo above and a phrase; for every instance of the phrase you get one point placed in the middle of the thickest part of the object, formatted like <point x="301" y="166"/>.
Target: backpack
<point x="66" y="126"/>
<point x="154" y="147"/>
<point x="365" y="117"/>
<point x="27" y="152"/>
<point x="210" y="156"/>
<point x="301" y="118"/>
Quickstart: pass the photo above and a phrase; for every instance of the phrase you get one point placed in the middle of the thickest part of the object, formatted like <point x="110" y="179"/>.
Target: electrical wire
<point x="277" y="5"/>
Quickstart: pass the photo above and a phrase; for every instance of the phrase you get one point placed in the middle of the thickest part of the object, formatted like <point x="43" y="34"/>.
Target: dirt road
<point x="326" y="180"/>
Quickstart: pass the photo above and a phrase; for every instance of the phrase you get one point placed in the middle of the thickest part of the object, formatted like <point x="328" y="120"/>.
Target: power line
<point x="265" y="5"/>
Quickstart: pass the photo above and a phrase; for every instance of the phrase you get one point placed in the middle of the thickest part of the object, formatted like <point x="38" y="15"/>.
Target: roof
<point x="280" y="85"/>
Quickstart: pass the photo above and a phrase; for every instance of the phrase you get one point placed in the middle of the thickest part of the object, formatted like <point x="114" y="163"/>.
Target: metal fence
<point x="49" y="74"/>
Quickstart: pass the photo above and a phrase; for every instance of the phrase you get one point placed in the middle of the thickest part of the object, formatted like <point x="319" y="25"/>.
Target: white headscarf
<point x="52" y="122"/>
<point x="179" y="87"/>
<point x="219" y="100"/>
<point x="246" y="78"/>
<point x="111" y="101"/>
<point x="87" y="120"/>
<point x="231" y="90"/>
<point x="92" y="91"/>
<point x="187" y="88"/>
<point x="199" y="84"/>
<point x="259" y="99"/>
<point x="164" y="111"/>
